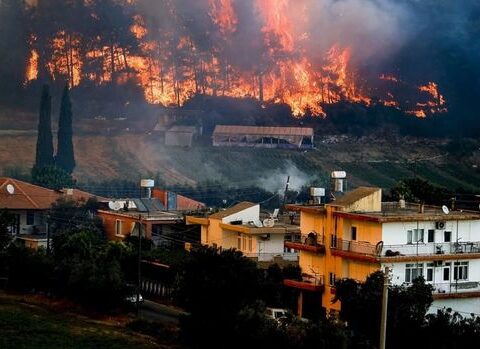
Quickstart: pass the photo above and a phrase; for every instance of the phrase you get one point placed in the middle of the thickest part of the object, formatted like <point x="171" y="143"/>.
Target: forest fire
<point x="171" y="63"/>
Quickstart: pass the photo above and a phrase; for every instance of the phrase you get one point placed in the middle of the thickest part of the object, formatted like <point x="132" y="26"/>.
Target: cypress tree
<point x="65" y="158"/>
<point x="44" y="155"/>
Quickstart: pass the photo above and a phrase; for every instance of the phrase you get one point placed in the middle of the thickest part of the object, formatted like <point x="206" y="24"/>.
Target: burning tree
<point x="270" y="50"/>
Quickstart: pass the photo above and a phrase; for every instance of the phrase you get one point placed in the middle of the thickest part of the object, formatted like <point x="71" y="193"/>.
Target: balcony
<point x="310" y="243"/>
<point x="435" y="251"/>
<point x="358" y="250"/>
<point x="308" y="283"/>
<point x="273" y="257"/>
<point x="460" y="289"/>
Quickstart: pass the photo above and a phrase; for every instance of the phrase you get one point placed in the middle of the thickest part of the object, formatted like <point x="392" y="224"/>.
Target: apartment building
<point x="358" y="234"/>
<point x="240" y="227"/>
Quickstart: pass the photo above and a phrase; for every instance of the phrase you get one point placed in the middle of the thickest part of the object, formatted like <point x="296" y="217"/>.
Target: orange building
<point x="358" y="234"/>
<point x="240" y="227"/>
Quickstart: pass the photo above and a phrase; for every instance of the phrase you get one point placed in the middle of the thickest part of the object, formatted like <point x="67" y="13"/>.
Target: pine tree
<point x="65" y="158"/>
<point x="44" y="156"/>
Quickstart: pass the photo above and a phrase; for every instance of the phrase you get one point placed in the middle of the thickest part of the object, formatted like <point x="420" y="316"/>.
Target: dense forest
<point x="344" y="66"/>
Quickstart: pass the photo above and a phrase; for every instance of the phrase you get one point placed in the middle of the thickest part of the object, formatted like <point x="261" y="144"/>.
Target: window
<point x="333" y="241"/>
<point x="430" y="267"/>
<point x="418" y="235"/>
<point x="331" y="279"/>
<point x="118" y="227"/>
<point x="250" y="244"/>
<point x="446" y="272"/>
<point x="460" y="271"/>
<point x="239" y="241"/>
<point x="431" y="235"/>
<point x="447" y="236"/>
<point x="244" y="244"/>
<point x="354" y="233"/>
<point x="30" y="218"/>
<point x="413" y="271"/>
<point x="414" y="236"/>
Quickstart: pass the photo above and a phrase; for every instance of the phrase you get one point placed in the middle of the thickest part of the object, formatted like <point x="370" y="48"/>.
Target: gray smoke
<point x="276" y="180"/>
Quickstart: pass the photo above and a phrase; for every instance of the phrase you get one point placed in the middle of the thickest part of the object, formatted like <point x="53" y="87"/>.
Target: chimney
<point x="421" y="208"/>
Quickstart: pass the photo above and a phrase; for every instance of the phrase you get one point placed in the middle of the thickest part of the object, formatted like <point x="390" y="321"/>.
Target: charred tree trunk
<point x="112" y="61"/>
<point x="260" y="87"/>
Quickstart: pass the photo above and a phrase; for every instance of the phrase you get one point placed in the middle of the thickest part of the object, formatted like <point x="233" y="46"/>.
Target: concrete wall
<point x="247" y="215"/>
<point x="464" y="306"/>
<point x="273" y="245"/>
<point x="370" y="203"/>
<point x="398" y="272"/>
<point x="38" y="223"/>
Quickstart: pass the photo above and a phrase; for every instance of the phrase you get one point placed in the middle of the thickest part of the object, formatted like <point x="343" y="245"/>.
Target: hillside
<point x="371" y="161"/>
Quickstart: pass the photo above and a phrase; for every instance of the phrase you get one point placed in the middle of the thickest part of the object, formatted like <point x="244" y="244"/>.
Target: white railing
<point x="268" y="257"/>
<point x="456" y="287"/>
<point x="430" y="248"/>
<point x="316" y="280"/>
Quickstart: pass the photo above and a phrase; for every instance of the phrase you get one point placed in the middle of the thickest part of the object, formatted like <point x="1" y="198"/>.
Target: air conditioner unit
<point x="440" y="225"/>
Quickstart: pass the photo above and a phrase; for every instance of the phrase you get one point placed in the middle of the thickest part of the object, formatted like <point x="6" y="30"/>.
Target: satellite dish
<point x="445" y="209"/>
<point x="115" y="205"/>
<point x="258" y="224"/>
<point x="10" y="189"/>
<point x="269" y="223"/>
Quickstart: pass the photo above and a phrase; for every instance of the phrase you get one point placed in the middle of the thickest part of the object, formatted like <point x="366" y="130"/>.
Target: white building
<point x="418" y="240"/>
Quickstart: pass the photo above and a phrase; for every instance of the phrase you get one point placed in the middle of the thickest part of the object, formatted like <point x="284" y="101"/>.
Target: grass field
<point x="25" y="326"/>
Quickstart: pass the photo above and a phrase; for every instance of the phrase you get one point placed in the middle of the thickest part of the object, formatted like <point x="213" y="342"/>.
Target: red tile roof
<point x="27" y="196"/>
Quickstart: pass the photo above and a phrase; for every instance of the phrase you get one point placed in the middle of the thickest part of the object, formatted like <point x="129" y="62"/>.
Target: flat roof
<point x="278" y="228"/>
<point x="146" y="216"/>
<point x="391" y="212"/>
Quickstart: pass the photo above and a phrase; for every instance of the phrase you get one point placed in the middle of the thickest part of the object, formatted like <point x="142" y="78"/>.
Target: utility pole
<point x="139" y="264"/>
<point x="48" y="233"/>
<point x="383" y="321"/>
<point x="285" y="194"/>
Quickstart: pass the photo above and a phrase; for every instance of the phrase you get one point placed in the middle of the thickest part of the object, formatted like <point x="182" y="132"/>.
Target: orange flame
<point x="172" y="70"/>
<point x="223" y="14"/>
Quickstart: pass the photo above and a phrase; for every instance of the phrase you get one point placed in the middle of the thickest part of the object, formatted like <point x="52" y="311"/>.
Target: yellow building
<point x="358" y="234"/>
<point x="241" y="228"/>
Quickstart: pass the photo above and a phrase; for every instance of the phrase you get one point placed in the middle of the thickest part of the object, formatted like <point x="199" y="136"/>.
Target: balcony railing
<point x="311" y="242"/>
<point x="456" y="287"/>
<point x="406" y="250"/>
<point x="353" y="248"/>
<point x="268" y="257"/>
<point x="430" y="249"/>
<point x="313" y="283"/>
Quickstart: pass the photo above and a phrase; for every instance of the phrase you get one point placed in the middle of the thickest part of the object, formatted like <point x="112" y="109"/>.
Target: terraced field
<point x="130" y="156"/>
